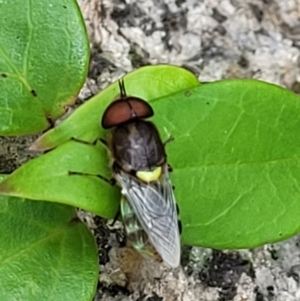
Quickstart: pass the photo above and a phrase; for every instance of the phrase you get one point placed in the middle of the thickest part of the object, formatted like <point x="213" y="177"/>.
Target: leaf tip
<point x="34" y="147"/>
<point x="39" y="145"/>
<point x="5" y="187"/>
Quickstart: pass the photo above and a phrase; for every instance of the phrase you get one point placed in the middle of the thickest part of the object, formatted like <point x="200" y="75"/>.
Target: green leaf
<point x="148" y="83"/>
<point x="47" y="178"/>
<point x="236" y="162"/>
<point x="44" y="54"/>
<point x="45" y="254"/>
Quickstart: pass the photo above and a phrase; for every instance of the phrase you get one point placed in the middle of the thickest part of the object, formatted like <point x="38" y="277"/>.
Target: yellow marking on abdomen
<point x="149" y="176"/>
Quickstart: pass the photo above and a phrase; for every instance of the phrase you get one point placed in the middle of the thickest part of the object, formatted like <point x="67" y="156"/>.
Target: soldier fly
<point x="139" y="165"/>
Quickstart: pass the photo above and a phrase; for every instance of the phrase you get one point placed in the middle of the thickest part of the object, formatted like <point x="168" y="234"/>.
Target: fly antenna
<point x="125" y="97"/>
<point x="122" y="89"/>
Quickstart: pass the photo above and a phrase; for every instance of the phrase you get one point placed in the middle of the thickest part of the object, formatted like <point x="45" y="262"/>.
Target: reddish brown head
<point x="125" y="109"/>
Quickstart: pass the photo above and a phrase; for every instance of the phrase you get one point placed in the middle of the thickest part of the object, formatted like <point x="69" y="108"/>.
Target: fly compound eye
<point x="125" y="109"/>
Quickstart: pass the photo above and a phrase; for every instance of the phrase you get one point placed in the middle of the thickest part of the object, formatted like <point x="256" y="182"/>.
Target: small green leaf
<point x="47" y="178"/>
<point x="45" y="253"/>
<point x="44" y="54"/>
<point x="148" y="83"/>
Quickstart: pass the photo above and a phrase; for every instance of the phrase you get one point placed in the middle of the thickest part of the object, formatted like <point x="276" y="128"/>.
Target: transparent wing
<point x="134" y="231"/>
<point x="155" y="207"/>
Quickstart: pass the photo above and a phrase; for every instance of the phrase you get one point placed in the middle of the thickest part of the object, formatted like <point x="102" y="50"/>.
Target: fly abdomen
<point x="135" y="234"/>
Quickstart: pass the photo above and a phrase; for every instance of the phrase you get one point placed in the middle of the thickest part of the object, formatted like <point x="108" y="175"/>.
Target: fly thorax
<point x="137" y="146"/>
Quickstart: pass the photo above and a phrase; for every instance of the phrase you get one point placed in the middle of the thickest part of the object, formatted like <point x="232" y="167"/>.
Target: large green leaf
<point x="148" y="83"/>
<point x="44" y="54"/>
<point x="236" y="160"/>
<point x="45" y="253"/>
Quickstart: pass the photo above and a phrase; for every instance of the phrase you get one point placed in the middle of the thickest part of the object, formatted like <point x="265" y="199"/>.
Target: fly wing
<point x="155" y="207"/>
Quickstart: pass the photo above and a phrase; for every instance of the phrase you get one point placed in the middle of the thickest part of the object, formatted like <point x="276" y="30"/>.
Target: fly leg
<point x="104" y="142"/>
<point x="111" y="181"/>
<point x="84" y="142"/>
<point x="170" y="139"/>
<point x="170" y="169"/>
<point x="118" y="214"/>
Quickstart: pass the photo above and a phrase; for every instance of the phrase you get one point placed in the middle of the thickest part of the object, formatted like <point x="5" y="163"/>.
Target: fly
<point x="139" y="164"/>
